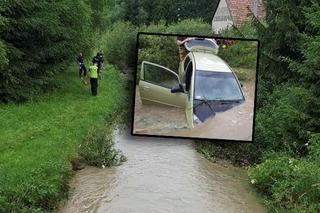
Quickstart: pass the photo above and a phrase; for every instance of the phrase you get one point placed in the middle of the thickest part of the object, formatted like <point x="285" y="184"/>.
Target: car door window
<point x="159" y="76"/>
<point x="188" y="72"/>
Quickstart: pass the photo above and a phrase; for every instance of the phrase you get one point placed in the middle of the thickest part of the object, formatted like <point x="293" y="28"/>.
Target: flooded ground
<point x="234" y="124"/>
<point x="157" y="119"/>
<point x="161" y="175"/>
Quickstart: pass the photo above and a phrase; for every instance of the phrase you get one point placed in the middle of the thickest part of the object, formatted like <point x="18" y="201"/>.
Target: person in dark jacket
<point x="82" y="67"/>
<point x="98" y="59"/>
<point x="100" y="63"/>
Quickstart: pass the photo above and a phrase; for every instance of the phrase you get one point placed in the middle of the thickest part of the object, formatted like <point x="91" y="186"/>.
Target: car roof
<point x="210" y="62"/>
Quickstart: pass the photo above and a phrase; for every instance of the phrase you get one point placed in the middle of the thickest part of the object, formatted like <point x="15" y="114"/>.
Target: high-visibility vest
<point x="93" y="71"/>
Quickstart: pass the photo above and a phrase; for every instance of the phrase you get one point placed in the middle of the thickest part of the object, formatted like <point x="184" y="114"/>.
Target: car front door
<point x="156" y="83"/>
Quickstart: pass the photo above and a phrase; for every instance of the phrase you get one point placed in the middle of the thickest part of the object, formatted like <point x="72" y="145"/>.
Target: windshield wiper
<point x="204" y="101"/>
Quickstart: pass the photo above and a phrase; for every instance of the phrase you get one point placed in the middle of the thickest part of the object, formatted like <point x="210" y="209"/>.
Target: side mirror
<point x="241" y="85"/>
<point x="178" y="88"/>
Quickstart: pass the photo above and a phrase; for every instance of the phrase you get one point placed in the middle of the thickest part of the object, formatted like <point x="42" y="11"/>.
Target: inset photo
<point x="195" y="87"/>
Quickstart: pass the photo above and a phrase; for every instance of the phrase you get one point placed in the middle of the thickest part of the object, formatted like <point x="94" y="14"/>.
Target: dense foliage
<point x="146" y="12"/>
<point x="241" y="54"/>
<point x="37" y="40"/>
<point x="120" y="43"/>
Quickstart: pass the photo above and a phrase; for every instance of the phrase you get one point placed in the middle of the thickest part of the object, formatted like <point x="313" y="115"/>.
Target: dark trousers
<point x="82" y="69"/>
<point x="94" y="86"/>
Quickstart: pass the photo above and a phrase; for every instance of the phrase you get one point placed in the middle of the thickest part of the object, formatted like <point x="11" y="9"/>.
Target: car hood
<point x="205" y="109"/>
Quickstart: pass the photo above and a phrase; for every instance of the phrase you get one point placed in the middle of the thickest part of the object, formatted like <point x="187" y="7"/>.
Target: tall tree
<point x="281" y="38"/>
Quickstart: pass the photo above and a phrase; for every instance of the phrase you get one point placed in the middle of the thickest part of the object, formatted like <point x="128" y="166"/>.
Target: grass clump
<point x="97" y="149"/>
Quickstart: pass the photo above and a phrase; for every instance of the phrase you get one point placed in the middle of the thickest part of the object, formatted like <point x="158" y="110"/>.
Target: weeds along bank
<point x="41" y="137"/>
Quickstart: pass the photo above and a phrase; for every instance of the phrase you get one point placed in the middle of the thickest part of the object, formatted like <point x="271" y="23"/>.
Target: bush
<point x="242" y="54"/>
<point x="119" y="43"/>
<point x="97" y="149"/>
<point x="314" y="147"/>
<point x="285" y="124"/>
<point x="161" y="50"/>
<point x="247" y="30"/>
<point x="289" y="183"/>
<point x="190" y="27"/>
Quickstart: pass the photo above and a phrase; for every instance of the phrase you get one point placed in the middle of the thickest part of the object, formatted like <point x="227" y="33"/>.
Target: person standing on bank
<point x="82" y="67"/>
<point x="182" y="49"/>
<point x="93" y="74"/>
<point x="100" y="64"/>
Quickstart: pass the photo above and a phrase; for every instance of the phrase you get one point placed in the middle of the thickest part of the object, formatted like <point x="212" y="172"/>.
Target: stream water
<point x="161" y="175"/>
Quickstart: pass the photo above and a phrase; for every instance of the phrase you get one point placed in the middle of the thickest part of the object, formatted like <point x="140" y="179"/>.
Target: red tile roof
<point x="239" y="10"/>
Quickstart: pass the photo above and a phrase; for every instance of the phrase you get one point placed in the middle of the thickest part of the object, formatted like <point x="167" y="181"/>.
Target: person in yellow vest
<point x="93" y="75"/>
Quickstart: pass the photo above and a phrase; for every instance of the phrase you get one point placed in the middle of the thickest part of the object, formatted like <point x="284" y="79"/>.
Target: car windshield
<point x="217" y="86"/>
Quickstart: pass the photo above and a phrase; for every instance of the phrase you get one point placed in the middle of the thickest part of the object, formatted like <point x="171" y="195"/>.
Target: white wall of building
<point x="222" y="18"/>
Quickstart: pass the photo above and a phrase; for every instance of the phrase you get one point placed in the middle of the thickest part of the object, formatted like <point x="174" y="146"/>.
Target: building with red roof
<point x="235" y="13"/>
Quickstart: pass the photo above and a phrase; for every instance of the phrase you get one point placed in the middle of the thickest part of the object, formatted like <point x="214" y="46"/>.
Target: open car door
<point x="156" y="83"/>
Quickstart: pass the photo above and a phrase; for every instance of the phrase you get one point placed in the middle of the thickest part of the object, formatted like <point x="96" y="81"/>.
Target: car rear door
<point x="156" y="83"/>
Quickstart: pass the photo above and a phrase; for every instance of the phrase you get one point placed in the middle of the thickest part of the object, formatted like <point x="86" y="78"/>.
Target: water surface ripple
<point x="161" y="175"/>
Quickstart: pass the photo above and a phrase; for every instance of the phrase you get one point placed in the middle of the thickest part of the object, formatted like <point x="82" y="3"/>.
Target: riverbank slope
<point x="39" y="138"/>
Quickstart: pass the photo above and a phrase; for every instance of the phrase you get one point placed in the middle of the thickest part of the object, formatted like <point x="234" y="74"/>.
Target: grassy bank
<point x="39" y="138"/>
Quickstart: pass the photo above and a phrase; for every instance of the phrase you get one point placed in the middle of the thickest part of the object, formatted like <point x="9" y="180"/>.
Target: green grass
<point x="38" y="139"/>
<point x="244" y="74"/>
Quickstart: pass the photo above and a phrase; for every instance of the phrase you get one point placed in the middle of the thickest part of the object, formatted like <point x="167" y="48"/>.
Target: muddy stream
<point x="161" y="175"/>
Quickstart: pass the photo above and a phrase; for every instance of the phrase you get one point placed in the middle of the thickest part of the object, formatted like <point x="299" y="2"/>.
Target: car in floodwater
<point x="204" y="84"/>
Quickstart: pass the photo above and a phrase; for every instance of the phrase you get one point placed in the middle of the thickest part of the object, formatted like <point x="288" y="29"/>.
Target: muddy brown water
<point x="234" y="124"/>
<point x="161" y="175"/>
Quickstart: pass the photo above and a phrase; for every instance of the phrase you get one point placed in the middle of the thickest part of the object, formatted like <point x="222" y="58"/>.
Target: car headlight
<point x="196" y="119"/>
